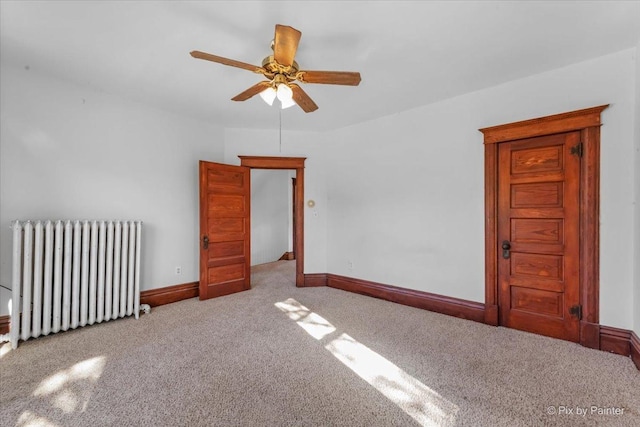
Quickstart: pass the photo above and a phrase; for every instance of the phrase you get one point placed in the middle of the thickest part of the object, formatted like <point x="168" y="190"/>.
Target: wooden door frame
<point x="296" y="163"/>
<point x="295" y="209"/>
<point x="588" y="122"/>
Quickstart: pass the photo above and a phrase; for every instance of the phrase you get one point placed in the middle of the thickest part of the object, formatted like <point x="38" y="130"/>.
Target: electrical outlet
<point x="178" y="270"/>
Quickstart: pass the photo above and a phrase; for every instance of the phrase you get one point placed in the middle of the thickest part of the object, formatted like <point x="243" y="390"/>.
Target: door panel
<point x="225" y="198"/>
<point x="222" y="228"/>
<point x="226" y="249"/>
<point x="537" y="266"/>
<point x="538" y="217"/>
<point x="545" y="159"/>
<point x="536" y="301"/>
<point x="225" y="273"/>
<point x="537" y="230"/>
<point x="548" y="194"/>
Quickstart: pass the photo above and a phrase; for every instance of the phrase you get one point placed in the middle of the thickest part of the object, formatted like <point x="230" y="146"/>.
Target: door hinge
<point x="577" y="149"/>
<point x="576" y="311"/>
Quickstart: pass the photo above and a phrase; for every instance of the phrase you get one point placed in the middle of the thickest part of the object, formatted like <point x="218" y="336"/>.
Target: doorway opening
<point x="272" y="216"/>
<point x="296" y="164"/>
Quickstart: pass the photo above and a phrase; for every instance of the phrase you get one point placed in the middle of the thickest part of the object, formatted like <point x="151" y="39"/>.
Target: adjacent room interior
<point x="446" y="231"/>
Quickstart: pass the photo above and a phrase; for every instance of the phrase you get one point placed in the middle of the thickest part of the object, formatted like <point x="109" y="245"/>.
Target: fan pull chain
<point x="280" y="112"/>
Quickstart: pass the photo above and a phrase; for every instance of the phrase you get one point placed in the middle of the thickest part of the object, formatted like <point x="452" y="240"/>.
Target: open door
<point x="225" y="196"/>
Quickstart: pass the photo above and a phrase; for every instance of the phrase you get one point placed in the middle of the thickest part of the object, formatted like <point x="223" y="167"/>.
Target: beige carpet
<point x="282" y="356"/>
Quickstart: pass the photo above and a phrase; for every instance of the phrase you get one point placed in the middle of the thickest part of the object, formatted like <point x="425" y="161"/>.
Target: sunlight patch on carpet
<point x="315" y="325"/>
<point x="70" y="390"/>
<point x="420" y="402"/>
<point x="29" y="419"/>
<point x="4" y="349"/>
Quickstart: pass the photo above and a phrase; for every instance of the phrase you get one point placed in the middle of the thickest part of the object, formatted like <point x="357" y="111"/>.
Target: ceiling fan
<point x="282" y="71"/>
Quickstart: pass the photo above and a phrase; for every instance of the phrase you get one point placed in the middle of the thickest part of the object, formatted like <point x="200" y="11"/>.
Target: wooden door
<point x="225" y="197"/>
<point x="538" y="235"/>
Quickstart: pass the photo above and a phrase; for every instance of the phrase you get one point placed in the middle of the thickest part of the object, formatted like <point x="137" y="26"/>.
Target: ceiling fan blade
<point x="348" y="78"/>
<point x="302" y="99"/>
<point x="285" y="44"/>
<point x="253" y="90"/>
<point x="226" y="61"/>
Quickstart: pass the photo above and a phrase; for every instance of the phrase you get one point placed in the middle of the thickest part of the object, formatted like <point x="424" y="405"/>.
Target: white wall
<point x="294" y="144"/>
<point x="406" y="199"/>
<point x="68" y="152"/>
<point x="270" y="214"/>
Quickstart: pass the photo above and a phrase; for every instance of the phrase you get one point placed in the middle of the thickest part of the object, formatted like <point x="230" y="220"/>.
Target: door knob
<point x="205" y="242"/>
<point x="506" y="249"/>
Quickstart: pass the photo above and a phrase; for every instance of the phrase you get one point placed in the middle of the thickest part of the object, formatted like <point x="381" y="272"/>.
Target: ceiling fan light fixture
<point x="287" y="103"/>
<point x="268" y="95"/>
<point x="285" y="95"/>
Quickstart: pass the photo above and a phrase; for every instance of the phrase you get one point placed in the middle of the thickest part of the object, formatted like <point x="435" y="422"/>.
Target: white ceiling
<point x="409" y="53"/>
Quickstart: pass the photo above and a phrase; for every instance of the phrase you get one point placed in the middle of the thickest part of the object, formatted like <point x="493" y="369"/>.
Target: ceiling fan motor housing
<point x="273" y="67"/>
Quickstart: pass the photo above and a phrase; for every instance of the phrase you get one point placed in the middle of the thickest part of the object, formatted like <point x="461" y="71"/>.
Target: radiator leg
<point x="146" y="308"/>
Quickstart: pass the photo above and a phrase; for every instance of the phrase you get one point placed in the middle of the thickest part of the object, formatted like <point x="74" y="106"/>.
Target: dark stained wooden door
<point x="538" y="217"/>
<point x="225" y="197"/>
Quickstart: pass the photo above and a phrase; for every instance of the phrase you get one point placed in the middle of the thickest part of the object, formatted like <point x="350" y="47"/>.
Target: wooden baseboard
<point x="491" y="315"/>
<point x="169" y="294"/>
<point x="287" y="256"/>
<point x="4" y="324"/>
<point x="590" y="335"/>
<point x="635" y="349"/>
<point x="620" y="341"/>
<point x="440" y="304"/>
<point x="315" y="279"/>
<point x="615" y="340"/>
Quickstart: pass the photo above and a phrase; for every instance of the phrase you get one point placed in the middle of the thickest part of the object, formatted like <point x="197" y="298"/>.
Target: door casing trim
<point x="588" y="122"/>
<point x="296" y="163"/>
